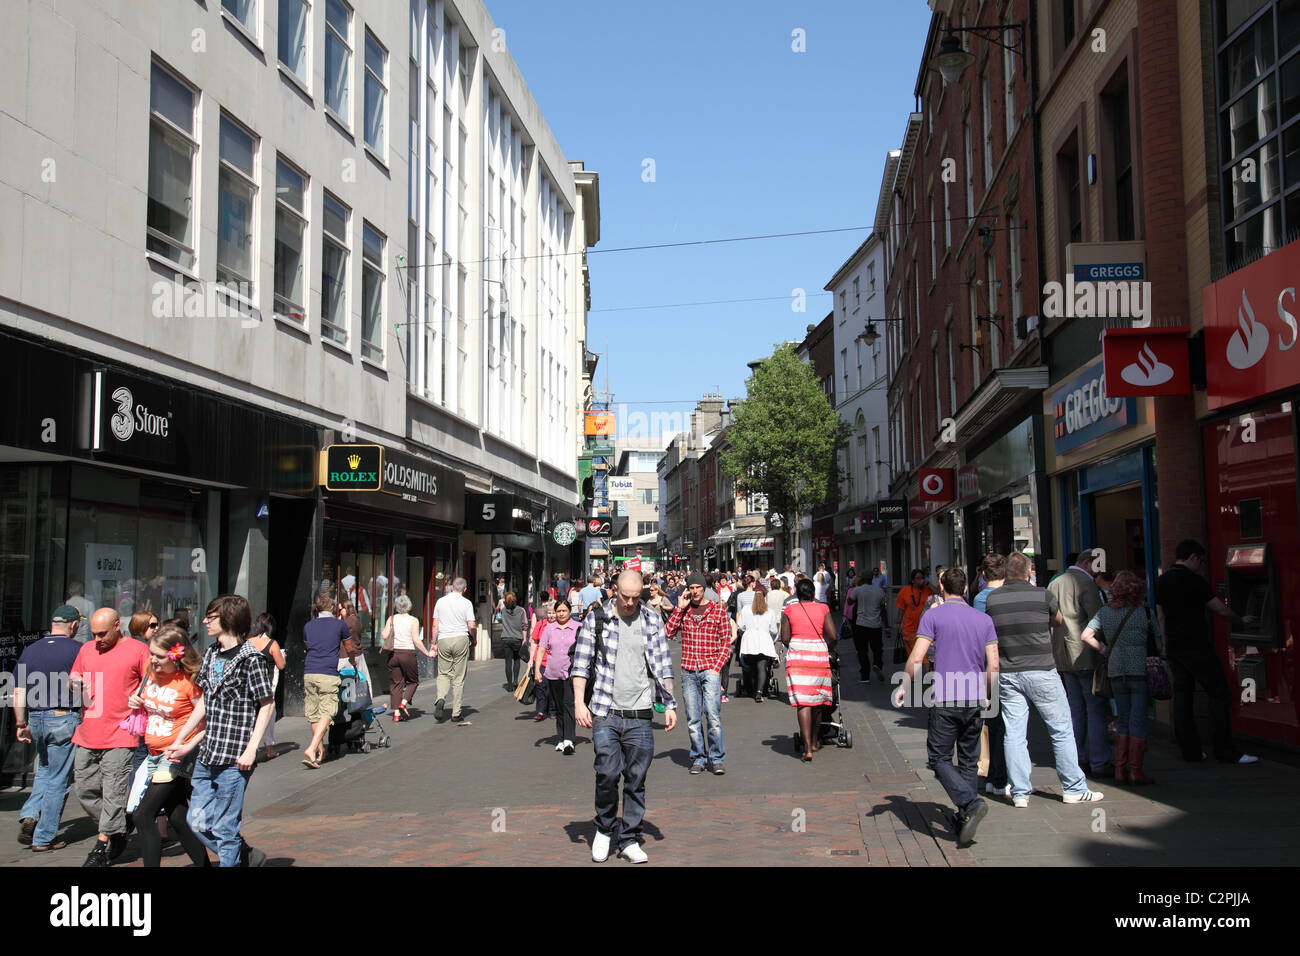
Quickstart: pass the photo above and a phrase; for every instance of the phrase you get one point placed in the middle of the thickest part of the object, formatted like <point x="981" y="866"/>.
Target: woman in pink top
<point x="809" y="633"/>
<point x="557" y="643"/>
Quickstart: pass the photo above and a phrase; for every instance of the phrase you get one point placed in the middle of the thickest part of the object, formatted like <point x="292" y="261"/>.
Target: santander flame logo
<point x="1148" y="371"/>
<point x="1248" y="344"/>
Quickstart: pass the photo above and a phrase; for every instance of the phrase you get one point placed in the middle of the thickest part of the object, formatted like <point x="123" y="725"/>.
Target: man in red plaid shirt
<point x="706" y="634"/>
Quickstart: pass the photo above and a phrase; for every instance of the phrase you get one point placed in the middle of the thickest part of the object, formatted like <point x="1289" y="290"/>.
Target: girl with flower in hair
<point x="169" y="695"/>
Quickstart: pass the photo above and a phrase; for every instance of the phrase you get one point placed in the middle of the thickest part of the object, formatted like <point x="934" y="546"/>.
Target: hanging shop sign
<point x="1146" y="362"/>
<point x="353" y="468"/>
<point x="1251" y="328"/>
<point x="936" y="484"/>
<point x="1083" y="409"/>
<point x="620" y="487"/>
<point x="565" y="533"/>
<point x="598" y="423"/>
<point x="892" y="509"/>
<point x="503" y="513"/>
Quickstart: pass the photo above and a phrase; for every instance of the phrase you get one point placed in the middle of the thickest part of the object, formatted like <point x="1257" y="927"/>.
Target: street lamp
<point x="871" y="336"/>
<point x="951" y="60"/>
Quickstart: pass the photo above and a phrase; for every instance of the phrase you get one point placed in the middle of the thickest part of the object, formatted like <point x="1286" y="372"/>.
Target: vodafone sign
<point x="1251" y="327"/>
<point x="936" y="484"/>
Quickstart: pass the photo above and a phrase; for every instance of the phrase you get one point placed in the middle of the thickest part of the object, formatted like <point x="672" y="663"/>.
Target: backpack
<point x="599" y="652"/>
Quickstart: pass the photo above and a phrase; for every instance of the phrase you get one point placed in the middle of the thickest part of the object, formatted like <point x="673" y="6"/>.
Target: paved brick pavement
<point x="495" y="792"/>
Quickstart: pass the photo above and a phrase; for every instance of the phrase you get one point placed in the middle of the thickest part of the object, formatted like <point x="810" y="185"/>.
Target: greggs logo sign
<point x="353" y="467"/>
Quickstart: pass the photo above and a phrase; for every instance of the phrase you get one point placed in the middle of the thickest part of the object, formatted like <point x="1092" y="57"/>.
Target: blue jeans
<point x="702" y="696"/>
<point x="624" y="747"/>
<point x="217" y="809"/>
<point x="1131" y="703"/>
<point x="1088" y="714"/>
<point x="54" y="754"/>
<point x="1044" y="690"/>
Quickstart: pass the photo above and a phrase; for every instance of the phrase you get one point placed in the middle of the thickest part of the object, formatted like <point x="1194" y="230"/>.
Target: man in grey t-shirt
<point x="869" y="618"/>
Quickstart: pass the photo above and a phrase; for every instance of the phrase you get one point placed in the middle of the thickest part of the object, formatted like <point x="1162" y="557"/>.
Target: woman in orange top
<point x="169" y="695"/>
<point x="911" y="605"/>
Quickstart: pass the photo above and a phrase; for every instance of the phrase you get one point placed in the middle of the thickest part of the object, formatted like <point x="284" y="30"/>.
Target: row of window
<point x="293" y="49"/>
<point x="172" y="205"/>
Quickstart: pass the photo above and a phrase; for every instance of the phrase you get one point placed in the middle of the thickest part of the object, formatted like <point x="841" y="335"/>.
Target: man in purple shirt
<point x="965" y="674"/>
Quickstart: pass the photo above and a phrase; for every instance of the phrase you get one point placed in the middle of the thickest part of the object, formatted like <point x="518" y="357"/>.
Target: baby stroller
<point x="833" y="728"/>
<point x="356" y="726"/>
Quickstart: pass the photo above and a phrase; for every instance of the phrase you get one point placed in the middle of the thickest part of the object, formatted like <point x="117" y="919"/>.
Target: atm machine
<point x="1251" y="590"/>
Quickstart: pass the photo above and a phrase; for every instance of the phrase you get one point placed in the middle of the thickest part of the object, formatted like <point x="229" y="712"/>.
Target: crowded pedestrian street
<point x="493" y="792"/>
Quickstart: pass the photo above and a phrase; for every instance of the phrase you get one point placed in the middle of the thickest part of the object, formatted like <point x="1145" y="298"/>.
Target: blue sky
<point x="748" y="138"/>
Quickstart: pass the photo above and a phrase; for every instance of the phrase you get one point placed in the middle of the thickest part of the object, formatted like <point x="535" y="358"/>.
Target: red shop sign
<point x="936" y="484"/>
<point x="1250" y="326"/>
<point x="1146" y="362"/>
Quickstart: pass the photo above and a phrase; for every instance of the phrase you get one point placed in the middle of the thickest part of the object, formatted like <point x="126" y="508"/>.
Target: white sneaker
<point x="1020" y="802"/>
<point x="633" y="853"/>
<point x="1005" y="791"/>
<point x="568" y="748"/>
<point x="1247" y="758"/>
<point x="600" y="848"/>
<point x="559" y="747"/>
<point x="1088" y="796"/>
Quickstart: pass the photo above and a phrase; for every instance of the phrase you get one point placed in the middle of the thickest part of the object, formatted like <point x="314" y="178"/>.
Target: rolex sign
<point x="353" y="467"/>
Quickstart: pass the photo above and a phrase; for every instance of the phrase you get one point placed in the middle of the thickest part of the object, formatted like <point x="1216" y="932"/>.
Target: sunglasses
<point x="152" y="625"/>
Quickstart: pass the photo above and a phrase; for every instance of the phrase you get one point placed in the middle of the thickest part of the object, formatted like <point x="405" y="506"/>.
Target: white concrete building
<point x="862" y="378"/>
<point x="237" y="232"/>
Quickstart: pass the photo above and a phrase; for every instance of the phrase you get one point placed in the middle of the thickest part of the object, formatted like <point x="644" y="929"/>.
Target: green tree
<point x="783" y="440"/>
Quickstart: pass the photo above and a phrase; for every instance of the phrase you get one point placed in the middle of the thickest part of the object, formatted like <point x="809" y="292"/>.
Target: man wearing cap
<point x="45" y="713"/>
<point x="706" y="635"/>
<point x="1080" y="599"/>
<point x="108" y="670"/>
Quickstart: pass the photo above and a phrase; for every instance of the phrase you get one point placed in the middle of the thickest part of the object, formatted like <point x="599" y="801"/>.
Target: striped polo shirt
<point x="1022" y="616"/>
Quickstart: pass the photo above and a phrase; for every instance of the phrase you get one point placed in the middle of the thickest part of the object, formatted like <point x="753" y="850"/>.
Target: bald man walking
<point x="109" y="669"/>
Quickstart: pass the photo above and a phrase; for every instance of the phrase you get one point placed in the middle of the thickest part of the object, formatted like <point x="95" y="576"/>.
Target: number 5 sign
<point x="488" y="513"/>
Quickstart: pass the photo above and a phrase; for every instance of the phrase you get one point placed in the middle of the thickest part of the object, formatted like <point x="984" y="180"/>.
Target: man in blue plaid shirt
<point x="621" y="709"/>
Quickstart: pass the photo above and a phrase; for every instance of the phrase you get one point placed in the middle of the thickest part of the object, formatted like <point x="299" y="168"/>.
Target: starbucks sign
<point x="565" y="533"/>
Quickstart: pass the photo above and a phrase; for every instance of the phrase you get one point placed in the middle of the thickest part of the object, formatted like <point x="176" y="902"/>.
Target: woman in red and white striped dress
<point x="809" y="634"/>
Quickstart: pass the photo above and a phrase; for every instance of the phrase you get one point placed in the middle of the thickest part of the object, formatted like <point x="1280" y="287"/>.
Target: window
<point x="947" y="216"/>
<point x="169" y="225"/>
<point x="647" y="496"/>
<point x="1119" y="161"/>
<point x="871" y="277"/>
<point x="290" y="234"/>
<point x="1009" y="88"/>
<point x="1258" y="65"/>
<point x="245" y="11"/>
<point x="857" y="293"/>
<point x="970" y="169"/>
<point x="1069" y="193"/>
<point x="338" y="55"/>
<point x="376" y="92"/>
<point x="372" y="293"/>
<point x="857" y="345"/>
<point x="952" y="376"/>
<point x="994" y="337"/>
<point x="938" y="399"/>
<point x="844" y="304"/>
<point x="292" y="43"/>
<point x="974" y="306"/>
<point x="236" y="191"/>
<point x="934" y="258"/>
<point x="844" y="366"/>
<point x="1017" y="304"/>
<point x="334" y="267"/>
<point x="986" y="100"/>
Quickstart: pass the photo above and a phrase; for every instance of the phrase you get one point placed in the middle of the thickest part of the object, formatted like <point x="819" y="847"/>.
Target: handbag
<point x="1159" y="684"/>
<point x="135" y="722"/>
<point x="900" y="651"/>
<point x="355" y="693"/>
<point x="1101" y="673"/>
<point x="389" y="634"/>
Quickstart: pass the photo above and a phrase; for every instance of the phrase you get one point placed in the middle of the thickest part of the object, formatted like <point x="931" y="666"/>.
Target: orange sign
<point x="599" y="423"/>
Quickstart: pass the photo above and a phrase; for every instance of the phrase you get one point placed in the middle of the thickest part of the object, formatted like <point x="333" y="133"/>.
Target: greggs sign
<point x="1250" y="326"/>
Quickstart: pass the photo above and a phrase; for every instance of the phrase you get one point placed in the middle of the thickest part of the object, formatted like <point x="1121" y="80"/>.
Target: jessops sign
<point x="1083" y="412"/>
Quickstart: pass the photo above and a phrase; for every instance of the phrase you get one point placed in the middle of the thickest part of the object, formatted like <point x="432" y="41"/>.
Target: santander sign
<point x="1250" y="325"/>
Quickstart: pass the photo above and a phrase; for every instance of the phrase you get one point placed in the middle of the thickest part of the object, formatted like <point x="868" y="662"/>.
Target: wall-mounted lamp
<point x="951" y="60"/>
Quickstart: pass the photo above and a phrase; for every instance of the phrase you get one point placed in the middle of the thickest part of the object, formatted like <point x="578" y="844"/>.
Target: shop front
<point x="399" y="538"/>
<point x="1100" y="453"/>
<point x="140" y="493"/>
<point x="1249" y="444"/>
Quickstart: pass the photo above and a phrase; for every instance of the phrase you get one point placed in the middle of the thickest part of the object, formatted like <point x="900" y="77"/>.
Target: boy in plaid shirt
<point x="238" y="703"/>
